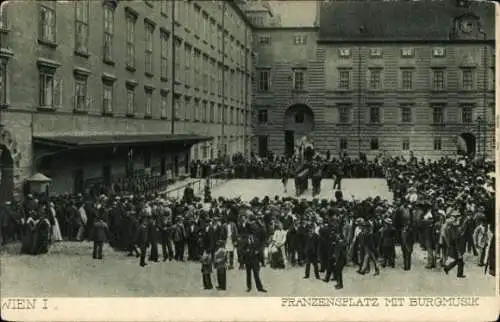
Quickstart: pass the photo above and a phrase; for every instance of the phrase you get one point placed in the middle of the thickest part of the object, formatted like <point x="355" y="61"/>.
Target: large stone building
<point x="95" y="91"/>
<point x="378" y="76"/>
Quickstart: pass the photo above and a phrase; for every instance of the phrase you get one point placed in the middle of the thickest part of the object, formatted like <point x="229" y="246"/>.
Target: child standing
<point x="220" y="261"/>
<point x="206" y="270"/>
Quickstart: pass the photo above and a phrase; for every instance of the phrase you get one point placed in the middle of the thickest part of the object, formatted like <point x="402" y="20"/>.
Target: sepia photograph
<point x="247" y="148"/>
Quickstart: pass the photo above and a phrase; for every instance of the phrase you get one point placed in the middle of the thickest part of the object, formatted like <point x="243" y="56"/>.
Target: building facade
<point x="97" y="90"/>
<point x="379" y="76"/>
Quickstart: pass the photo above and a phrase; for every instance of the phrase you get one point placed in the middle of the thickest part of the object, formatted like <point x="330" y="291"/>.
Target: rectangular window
<point x="130" y="101"/>
<point x="375" y="52"/>
<point x="374" y="144"/>
<point x="406" y="113"/>
<point x="164" y="7"/>
<point x="344" y="113"/>
<point x="212" y="112"/>
<point x="437" y="144"/>
<point x="467" y="78"/>
<point x="375" y="78"/>
<point x="344" y="79"/>
<point x="195" y="111"/>
<point x="187" y="109"/>
<point x="264" y="80"/>
<point x="406" y="144"/>
<point x="81" y="26"/>
<point x="264" y="40"/>
<point x="47" y="89"/>
<point x="298" y="79"/>
<point x="438" y="52"/>
<point x="80" y="94"/>
<point x="148" y="111"/>
<point x="407" y="79"/>
<point x="467" y="113"/>
<point x="109" y="21"/>
<point x="343" y="143"/>
<point x="375" y="114"/>
<point x="262" y="116"/>
<point x="407" y="52"/>
<point x="164" y="104"/>
<point x="177" y="108"/>
<point x="164" y="55"/>
<point x="107" y="98"/>
<point x="130" y="26"/>
<point x="3" y="83"/>
<point x="148" y="52"/>
<point x="48" y="21"/>
<point x="438" y="113"/>
<point x="299" y="40"/>
<point x="345" y="52"/>
<point x="438" y="79"/>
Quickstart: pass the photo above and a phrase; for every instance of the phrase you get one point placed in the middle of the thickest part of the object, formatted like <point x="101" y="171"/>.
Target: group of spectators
<point x="445" y="206"/>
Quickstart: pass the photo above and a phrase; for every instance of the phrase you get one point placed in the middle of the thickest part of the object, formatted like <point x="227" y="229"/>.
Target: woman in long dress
<point x="56" y="231"/>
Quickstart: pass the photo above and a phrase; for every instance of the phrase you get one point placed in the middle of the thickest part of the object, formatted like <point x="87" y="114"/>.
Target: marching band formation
<point x="446" y="207"/>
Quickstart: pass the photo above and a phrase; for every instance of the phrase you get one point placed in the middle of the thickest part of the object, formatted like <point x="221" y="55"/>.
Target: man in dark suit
<point x="143" y="240"/>
<point x="252" y="257"/>
<point x="100" y="234"/>
<point x="323" y="247"/>
<point x="311" y="251"/>
<point x="179" y="237"/>
<point x="340" y="260"/>
<point x="189" y="194"/>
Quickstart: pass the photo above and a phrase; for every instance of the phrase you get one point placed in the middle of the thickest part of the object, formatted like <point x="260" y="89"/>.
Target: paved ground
<point x="249" y="188"/>
<point x="69" y="270"/>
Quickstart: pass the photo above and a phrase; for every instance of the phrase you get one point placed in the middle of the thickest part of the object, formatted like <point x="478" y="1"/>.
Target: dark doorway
<point x="467" y="144"/>
<point x="6" y="175"/>
<point x="289" y="143"/>
<point x="176" y="166"/>
<point x="186" y="163"/>
<point x="162" y="166"/>
<point x="106" y="174"/>
<point x="263" y="145"/>
<point x="78" y="181"/>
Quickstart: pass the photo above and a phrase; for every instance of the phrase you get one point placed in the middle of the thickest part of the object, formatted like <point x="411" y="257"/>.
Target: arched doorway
<point x="6" y="175"/>
<point x="299" y="122"/>
<point x="466" y="144"/>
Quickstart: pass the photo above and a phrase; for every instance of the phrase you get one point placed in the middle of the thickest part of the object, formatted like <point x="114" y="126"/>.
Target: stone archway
<point x="466" y="144"/>
<point x="9" y="161"/>
<point x="298" y="123"/>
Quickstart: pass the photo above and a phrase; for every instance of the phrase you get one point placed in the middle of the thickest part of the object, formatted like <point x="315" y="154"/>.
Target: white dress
<point x="56" y="231"/>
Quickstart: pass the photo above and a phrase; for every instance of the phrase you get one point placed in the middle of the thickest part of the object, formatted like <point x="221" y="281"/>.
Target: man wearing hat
<point x="251" y="257"/>
<point x="100" y="233"/>
<point x="387" y="243"/>
<point x="311" y="251"/>
<point x="142" y="239"/>
<point x="454" y="237"/>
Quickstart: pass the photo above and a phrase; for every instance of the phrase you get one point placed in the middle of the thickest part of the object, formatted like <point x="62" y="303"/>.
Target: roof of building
<point x="78" y="141"/>
<point x="398" y="20"/>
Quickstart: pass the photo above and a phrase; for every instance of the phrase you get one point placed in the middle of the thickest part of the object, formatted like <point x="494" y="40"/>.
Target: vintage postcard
<point x="248" y="160"/>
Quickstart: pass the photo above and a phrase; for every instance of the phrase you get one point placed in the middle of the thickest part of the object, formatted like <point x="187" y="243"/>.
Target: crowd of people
<point x="446" y="207"/>
<point x="277" y="167"/>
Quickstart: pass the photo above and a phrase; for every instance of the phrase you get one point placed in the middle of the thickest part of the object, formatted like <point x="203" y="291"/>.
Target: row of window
<point x="234" y="49"/>
<point x="298" y="40"/>
<point x="375" y="79"/>
<point x="51" y="92"/>
<point x="406" y="115"/>
<point x="209" y="112"/>
<point x="264" y="79"/>
<point x="263" y="141"/>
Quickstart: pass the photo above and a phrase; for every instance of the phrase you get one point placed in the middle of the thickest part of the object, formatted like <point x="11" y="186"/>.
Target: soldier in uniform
<point x="407" y="236"/>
